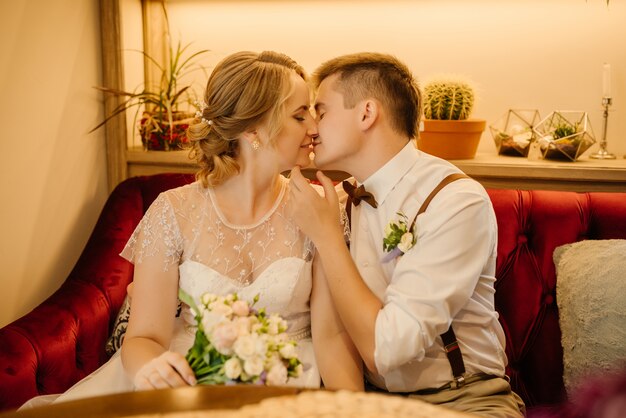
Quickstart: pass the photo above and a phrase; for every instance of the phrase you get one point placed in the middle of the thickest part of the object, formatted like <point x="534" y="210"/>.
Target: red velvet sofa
<point x="63" y="339"/>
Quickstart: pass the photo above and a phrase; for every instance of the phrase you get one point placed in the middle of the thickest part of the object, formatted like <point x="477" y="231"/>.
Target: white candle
<point x="606" y="80"/>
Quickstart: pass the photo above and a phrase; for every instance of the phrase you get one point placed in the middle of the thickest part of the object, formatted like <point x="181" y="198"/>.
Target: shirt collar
<point x="385" y="178"/>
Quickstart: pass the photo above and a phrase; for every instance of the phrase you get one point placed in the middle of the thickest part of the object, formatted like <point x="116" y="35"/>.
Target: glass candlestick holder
<point x="602" y="153"/>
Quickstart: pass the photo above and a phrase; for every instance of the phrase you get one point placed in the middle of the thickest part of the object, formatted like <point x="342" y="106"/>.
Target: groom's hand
<point x="315" y="215"/>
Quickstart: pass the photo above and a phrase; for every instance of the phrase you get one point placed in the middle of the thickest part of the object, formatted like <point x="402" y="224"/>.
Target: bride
<point x="230" y="231"/>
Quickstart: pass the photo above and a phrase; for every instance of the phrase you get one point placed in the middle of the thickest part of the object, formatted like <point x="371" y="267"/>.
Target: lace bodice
<point x="185" y="229"/>
<point x="186" y="224"/>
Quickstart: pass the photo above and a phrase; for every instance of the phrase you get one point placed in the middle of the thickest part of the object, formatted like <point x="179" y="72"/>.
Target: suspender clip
<point x="451" y="347"/>
<point x="458" y="382"/>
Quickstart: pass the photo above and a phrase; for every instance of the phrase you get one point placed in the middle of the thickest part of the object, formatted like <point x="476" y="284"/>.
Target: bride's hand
<point x="170" y="369"/>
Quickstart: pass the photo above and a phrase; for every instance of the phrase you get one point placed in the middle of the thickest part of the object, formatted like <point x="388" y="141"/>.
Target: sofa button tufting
<point x="549" y="299"/>
<point x="522" y="239"/>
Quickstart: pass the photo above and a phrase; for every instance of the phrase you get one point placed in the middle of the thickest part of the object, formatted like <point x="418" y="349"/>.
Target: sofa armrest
<point x="62" y="340"/>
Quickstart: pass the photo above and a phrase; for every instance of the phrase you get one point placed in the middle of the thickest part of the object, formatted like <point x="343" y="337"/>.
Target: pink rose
<point x="240" y="308"/>
<point x="224" y="336"/>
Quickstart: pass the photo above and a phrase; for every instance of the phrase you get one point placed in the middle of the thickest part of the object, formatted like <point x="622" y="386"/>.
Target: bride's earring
<point x="256" y="144"/>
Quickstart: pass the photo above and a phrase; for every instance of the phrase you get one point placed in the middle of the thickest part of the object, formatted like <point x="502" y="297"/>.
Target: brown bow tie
<point x="359" y="193"/>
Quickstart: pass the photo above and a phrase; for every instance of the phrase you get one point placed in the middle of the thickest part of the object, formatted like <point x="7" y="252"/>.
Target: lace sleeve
<point x="157" y="235"/>
<point x="343" y="216"/>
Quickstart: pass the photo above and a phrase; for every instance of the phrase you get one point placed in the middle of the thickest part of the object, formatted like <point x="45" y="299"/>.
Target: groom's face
<point x="337" y="127"/>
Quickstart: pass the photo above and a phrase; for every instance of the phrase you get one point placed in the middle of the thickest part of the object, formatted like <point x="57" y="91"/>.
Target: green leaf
<point x="188" y="300"/>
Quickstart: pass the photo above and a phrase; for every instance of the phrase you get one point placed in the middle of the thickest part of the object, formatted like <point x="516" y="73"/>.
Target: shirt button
<point x="364" y="227"/>
<point x="365" y="264"/>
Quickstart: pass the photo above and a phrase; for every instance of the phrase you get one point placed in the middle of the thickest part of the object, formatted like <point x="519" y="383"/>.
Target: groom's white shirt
<point x="446" y="277"/>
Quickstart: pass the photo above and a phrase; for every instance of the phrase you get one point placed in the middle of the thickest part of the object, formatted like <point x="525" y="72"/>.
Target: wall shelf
<point x="513" y="172"/>
<point x="143" y="163"/>
<point x="492" y="171"/>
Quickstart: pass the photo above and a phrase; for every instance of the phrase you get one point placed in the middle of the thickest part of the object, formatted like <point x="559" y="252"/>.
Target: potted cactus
<point x="448" y="132"/>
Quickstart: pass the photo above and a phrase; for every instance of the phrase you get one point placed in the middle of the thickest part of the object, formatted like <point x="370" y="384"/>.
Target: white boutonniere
<point x="398" y="239"/>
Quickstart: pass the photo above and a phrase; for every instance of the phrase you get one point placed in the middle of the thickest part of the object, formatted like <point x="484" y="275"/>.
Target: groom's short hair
<point x="382" y="77"/>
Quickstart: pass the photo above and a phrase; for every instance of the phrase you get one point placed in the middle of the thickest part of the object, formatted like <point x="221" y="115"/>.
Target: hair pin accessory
<point x="202" y="106"/>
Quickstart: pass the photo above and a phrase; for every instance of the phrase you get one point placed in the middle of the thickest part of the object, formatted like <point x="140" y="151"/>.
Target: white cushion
<point x="591" y="297"/>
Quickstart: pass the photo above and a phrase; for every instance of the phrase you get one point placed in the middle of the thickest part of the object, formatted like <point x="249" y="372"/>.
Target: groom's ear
<point x="368" y="113"/>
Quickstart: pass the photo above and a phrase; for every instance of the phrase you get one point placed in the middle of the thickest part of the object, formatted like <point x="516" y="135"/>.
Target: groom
<point x="415" y="290"/>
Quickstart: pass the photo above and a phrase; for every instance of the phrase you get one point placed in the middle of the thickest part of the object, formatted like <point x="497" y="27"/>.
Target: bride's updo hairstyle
<point x="244" y="90"/>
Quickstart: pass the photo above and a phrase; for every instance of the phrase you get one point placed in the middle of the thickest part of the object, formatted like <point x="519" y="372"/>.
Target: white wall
<point x="521" y="53"/>
<point x="52" y="173"/>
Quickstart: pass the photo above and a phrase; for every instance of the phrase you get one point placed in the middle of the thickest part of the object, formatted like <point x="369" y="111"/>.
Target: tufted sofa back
<point x="62" y="340"/>
<point x="531" y="224"/>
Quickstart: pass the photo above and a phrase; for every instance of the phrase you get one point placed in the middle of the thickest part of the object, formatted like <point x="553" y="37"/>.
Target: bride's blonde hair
<point x="244" y="90"/>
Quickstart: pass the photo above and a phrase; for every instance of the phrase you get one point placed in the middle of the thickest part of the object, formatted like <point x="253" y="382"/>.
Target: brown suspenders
<point x="450" y="343"/>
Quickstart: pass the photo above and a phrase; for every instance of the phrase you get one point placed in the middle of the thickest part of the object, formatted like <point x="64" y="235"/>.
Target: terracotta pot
<point x="451" y="139"/>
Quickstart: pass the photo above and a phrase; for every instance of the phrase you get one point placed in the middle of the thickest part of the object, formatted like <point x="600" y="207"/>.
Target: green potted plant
<point x="166" y="108"/>
<point x="447" y="131"/>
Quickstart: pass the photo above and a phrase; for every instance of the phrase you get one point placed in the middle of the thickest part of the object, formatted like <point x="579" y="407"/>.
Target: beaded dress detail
<point x="184" y="228"/>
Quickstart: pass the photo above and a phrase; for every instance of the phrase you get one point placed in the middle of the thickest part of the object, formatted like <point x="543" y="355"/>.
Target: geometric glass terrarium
<point x="513" y="132"/>
<point x="564" y="135"/>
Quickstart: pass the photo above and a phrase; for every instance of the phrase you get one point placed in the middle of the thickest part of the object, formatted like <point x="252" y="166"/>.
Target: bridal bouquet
<point x="235" y="343"/>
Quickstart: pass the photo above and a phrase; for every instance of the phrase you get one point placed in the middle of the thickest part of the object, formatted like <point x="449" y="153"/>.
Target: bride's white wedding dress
<point x="185" y="229"/>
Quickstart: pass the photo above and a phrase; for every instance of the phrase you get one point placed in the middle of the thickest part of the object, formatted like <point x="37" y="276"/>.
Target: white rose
<point x="224" y="335"/>
<point x="210" y="320"/>
<point x="245" y="346"/>
<point x="277" y="375"/>
<point x="272" y="328"/>
<point x="276" y="324"/>
<point x="288" y="350"/>
<point x="240" y="308"/>
<point x="406" y="242"/>
<point x="219" y="307"/>
<point x="253" y="366"/>
<point x="261" y="346"/>
<point x="232" y="368"/>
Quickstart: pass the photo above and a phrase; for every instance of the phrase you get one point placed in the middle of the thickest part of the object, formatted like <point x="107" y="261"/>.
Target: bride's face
<point x="293" y="142"/>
